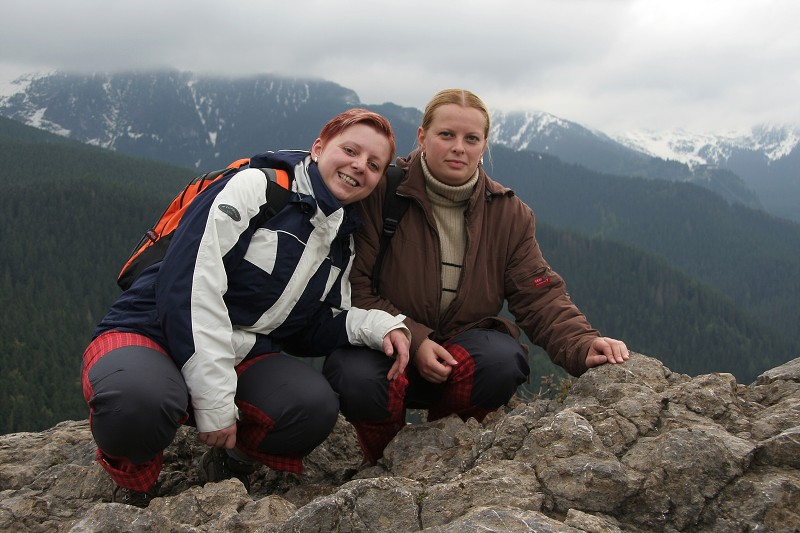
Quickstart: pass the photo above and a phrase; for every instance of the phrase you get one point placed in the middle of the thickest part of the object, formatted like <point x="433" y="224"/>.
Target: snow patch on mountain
<point x="693" y="149"/>
<point x="776" y="141"/>
<point x="37" y="120"/>
<point x="518" y="130"/>
<point x="17" y="85"/>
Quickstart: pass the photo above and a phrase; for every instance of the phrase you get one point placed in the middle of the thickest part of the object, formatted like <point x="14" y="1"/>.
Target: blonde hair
<point x="461" y="97"/>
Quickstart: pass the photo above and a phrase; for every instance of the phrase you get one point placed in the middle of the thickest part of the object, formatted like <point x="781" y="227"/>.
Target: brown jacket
<point x="502" y="262"/>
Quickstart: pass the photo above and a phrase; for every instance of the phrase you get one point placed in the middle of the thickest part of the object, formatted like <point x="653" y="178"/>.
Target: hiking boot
<point x="217" y="465"/>
<point x="134" y="497"/>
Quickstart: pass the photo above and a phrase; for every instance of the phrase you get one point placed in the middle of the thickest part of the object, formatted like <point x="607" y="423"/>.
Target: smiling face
<point x="352" y="162"/>
<point x="453" y="143"/>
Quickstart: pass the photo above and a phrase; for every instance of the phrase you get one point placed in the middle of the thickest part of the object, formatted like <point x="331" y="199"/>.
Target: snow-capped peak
<point x="19" y="84"/>
<point x="693" y="148"/>
<point x="517" y="129"/>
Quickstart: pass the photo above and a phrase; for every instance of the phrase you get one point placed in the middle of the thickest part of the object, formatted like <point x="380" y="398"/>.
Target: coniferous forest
<point x="70" y="214"/>
<point x="670" y="268"/>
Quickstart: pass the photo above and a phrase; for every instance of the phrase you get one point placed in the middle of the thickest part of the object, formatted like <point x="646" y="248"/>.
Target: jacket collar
<point x="414" y="183"/>
<point x="323" y="199"/>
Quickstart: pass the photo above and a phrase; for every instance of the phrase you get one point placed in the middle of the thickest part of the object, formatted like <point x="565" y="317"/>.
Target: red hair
<point x="351" y="117"/>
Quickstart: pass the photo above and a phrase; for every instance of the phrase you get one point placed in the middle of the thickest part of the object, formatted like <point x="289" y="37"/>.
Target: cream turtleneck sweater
<point x="448" y="205"/>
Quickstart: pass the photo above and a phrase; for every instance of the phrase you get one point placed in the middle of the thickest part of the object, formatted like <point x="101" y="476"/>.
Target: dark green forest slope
<point x="658" y="310"/>
<point x="748" y="255"/>
<point x="69" y="215"/>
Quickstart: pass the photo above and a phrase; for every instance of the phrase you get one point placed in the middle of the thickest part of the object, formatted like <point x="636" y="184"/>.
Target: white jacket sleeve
<point x="369" y="327"/>
<point x="198" y="321"/>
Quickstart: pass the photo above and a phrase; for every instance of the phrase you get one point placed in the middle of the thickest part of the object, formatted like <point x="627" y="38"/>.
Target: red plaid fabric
<point x="373" y="437"/>
<point x="457" y="394"/>
<point x="104" y="343"/>
<point x="247" y="363"/>
<point x="128" y="475"/>
<point x="250" y="431"/>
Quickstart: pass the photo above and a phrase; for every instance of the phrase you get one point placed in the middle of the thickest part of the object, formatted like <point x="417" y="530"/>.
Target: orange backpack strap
<point x="282" y="178"/>
<point x="239" y="163"/>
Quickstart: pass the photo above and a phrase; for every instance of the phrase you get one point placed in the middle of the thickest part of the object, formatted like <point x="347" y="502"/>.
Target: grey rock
<point x="632" y="447"/>
<point x="500" y="483"/>
<point x="379" y="504"/>
<point x="503" y="519"/>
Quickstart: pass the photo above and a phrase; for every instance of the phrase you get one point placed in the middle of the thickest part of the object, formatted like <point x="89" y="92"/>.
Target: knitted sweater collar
<point x="447" y="194"/>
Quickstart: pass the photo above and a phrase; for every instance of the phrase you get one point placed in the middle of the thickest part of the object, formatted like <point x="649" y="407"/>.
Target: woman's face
<point x="453" y="143"/>
<point x="353" y="162"/>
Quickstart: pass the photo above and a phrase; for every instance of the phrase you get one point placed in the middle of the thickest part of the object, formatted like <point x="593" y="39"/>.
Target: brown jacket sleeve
<point x="538" y="299"/>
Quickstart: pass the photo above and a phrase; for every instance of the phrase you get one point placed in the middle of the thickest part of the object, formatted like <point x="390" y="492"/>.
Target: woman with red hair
<point x="198" y="337"/>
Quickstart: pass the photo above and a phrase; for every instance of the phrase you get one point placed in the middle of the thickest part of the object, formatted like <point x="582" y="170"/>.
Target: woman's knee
<point x="321" y="411"/>
<point x="500" y="365"/>
<point x="317" y="404"/>
<point x="136" y="406"/>
<point x="288" y="417"/>
<point x="350" y="369"/>
<point x="358" y="375"/>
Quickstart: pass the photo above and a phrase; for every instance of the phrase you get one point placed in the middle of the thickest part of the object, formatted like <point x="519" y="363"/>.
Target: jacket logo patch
<point x="230" y="211"/>
<point x="541" y="281"/>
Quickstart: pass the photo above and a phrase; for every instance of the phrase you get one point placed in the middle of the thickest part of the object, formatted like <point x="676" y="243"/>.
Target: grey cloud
<point x="606" y="64"/>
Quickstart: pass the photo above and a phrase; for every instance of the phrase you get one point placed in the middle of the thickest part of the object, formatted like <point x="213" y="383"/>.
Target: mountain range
<point x="205" y="122"/>
<point x="757" y="168"/>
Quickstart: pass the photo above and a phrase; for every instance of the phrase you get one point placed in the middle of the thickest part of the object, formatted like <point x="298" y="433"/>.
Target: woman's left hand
<point x="396" y="344"/>
<point x="606" y="350"/>
<point x="222" y="438"/>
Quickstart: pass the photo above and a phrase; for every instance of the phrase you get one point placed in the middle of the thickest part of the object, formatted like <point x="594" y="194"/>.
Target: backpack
<point x="394" y="207"/>
<point x="154" y="243"/>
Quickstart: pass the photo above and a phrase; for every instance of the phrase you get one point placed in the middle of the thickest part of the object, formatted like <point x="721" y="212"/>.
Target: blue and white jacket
<point x="234" y="284"/>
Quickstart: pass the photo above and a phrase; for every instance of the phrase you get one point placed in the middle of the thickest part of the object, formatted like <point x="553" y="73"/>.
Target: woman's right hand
<point x="396" y="344"/>
<point x="434" y="362"/>
<point x="222" y="438"/>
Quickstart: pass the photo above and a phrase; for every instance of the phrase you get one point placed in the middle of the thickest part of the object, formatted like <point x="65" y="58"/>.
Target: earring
<point x="316" y="159"/>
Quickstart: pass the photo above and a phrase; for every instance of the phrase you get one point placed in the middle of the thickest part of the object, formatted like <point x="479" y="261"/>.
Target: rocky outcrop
<point x="631" y="447"/>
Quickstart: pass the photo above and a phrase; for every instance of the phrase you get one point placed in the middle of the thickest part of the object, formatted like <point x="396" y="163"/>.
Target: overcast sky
<point x="614" y="65"/>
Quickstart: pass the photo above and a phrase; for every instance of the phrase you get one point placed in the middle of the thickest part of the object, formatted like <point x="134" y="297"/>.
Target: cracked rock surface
<point x="632" y="447"/>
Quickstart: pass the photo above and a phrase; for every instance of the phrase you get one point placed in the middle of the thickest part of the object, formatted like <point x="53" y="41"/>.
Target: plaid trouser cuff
<point x="130" y="476"/>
